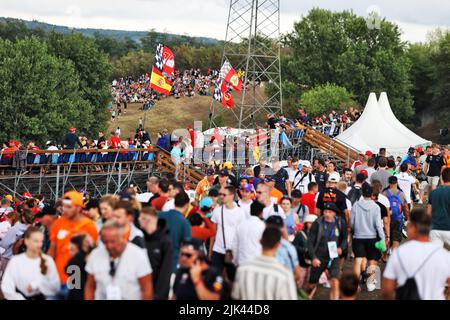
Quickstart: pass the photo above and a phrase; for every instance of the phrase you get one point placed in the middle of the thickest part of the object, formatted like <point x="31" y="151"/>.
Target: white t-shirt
<point x="4" y="228"/>
<point x="132" y="265"/>
<point x="246" y="207"/>
<point x="384" y="201"/>
<point x="23" y="271"/>
<point x="405" y="182"/>
<point x="270" y="211"/>
<point x="301" y="183"/>
<point x="169" y="205"/>
<point x="431" y="279"/>
<point x="370" y="172"/>
<point x="246" y="245"/>
<point x="191" y="194"/>
<point x="233" y="218"/>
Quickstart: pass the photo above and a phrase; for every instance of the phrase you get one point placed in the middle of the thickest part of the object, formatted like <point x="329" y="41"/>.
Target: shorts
<point x="434" y="181"/>
<point x="440" y="236"/>
<point x="423" y="185"/>
<point x="396" y="233"/>
<point x="334" y="270"/>
<point x="365" y="248"/>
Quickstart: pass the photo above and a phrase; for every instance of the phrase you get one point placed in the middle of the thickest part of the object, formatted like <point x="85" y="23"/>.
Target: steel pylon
<point x="252" y="45"/>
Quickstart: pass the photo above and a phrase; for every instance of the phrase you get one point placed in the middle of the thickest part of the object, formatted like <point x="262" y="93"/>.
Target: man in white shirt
<point x="405" y="182"/>
<point x="302" y="179"/>
<point x="270" y="208"/>
<point x="427" y="262"/>
<point x="247" y="243"/>
<point x="118" y="270"/>
<point x="227" y="218"/>
<point x="247" y="193"/>
<point x="292" y="171"/>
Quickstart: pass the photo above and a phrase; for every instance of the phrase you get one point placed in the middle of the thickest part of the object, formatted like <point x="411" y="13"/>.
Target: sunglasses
<point x="186" y="254"/>
<point x="112" y="268"/>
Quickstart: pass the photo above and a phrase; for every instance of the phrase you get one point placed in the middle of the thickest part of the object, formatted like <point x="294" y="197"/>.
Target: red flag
<point x="230" y="75"/>
<point x="169" y="62"/>
<point x="227" y="99"/>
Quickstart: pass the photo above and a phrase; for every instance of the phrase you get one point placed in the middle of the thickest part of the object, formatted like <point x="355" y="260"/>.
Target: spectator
<point x="253" y="278"/>
<point x="119" y="270"/>
<point x="418" y="269"/>
<point x="439" y="210"/>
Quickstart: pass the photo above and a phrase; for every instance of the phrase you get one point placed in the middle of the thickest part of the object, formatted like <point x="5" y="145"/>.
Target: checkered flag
<point x="218" y="92"/>
<point x="159" y="58"/>
<point x="224" y="70"/>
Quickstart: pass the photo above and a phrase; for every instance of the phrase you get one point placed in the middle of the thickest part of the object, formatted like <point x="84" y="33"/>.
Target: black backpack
<point x="409" y="290"/>
<point x="354" y="194"/>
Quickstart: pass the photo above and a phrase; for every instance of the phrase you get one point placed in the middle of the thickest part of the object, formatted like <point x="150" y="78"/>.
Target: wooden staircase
<point x="186" y="172"/>
<point x="331" y="147"/>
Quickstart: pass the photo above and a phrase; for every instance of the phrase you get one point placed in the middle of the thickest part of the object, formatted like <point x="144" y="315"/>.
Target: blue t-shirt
<point x="179" y="231"/>
<point x="287" y="255"/>
<point x="440" y="202"/>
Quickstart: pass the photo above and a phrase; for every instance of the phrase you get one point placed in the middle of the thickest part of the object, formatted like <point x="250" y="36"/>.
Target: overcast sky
<point x="208" y="17"/>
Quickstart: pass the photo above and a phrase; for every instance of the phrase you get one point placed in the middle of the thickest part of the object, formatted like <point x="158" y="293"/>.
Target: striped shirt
<point x="264" y="278"/>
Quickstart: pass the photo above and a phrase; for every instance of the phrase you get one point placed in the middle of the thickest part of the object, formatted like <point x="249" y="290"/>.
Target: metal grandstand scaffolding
<point x="252" y="45"/>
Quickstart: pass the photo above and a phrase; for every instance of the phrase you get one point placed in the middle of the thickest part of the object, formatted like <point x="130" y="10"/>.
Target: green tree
<point x="92" y="66"/>
<point x="339" y="48"/>
<point x="40" y="94"/>
<point x="441" y="87"/>
<point x="134" y="64"/>
<point x="325" y="98"/>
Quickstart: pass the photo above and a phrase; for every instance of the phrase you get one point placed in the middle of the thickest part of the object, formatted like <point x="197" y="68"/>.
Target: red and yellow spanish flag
<point x="160" y="83"/>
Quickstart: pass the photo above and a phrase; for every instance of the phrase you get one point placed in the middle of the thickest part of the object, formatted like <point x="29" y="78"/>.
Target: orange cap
<point x="75" y="197"/>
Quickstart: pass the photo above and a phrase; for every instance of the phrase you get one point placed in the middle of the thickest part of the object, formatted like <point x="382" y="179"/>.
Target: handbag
<point x="228" y="253"/>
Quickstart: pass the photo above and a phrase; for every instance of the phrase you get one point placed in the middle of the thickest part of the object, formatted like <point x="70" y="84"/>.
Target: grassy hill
<point x="90" y="32"/>
<point x="169" y="113"/>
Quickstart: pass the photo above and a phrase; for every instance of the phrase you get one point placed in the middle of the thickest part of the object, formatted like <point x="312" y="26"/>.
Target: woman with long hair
<point x="31" y="275"/>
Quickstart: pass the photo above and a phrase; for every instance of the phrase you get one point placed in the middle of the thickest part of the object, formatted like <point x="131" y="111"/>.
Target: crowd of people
<point x="187" y="83"/>
<point x="272" y="233"/>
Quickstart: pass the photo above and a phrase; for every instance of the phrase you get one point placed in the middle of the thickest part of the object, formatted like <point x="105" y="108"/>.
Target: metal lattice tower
<point x="252" y="45"/>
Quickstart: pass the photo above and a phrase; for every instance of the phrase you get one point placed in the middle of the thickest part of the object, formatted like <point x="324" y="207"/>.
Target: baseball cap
<point x="72" y="129"/>
<point x="194" y="243"/>
<point x="419" y="150"/>
<point x="27" y="195"/>
<point x="369" y="153"/>
<point x="247" y="188"/>
<point x="224" y="173"/>
<point x="331" y="206"/>
<point x="310" y="218"/>
<point x="411" y="150"/>
<point x="228" y="165"/>
<point x="75" y="197"/>
<point x="364" y="172"/>
<point x="334" y="177"/>
<point x="269" y="179"/>
<point x="9" y="197"/>
<point x="206" y="203"/>
<point x="306" y="163"/>
<point x="210" y="172"/>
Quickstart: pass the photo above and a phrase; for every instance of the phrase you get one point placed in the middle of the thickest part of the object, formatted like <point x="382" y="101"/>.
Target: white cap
<point x="334" y="177"/>
<point x="310" y="218"/>
<point x="306" y="163"/>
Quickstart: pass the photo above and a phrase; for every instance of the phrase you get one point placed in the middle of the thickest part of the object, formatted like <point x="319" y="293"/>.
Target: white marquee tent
<point x="389" y="116"/>
<point x="373" y="131"/>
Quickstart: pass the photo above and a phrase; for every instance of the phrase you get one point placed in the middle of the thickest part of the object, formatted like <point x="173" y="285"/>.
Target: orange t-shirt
<point x="61" y="233"/>
<point x="275" y="193"/>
